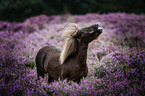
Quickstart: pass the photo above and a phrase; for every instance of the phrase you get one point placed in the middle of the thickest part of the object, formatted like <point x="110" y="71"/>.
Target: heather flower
<point x="116" y="61"/>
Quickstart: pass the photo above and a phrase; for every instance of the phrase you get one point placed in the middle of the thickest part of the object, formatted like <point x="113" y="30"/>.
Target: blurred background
<point x="19" y="10"/>
<point x="116" y="61"/>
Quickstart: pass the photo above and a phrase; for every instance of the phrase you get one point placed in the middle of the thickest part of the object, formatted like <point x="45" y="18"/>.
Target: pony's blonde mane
<point x="70" y="45"/>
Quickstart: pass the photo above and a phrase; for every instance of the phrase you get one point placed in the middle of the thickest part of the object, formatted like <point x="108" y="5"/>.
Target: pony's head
<point x="89" y="34"/>
<point x="76" y="35"/>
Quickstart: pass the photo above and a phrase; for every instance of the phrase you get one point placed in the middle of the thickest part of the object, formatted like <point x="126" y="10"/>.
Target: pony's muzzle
<point x="97" y="28"/>
<point x="100" y="29"/>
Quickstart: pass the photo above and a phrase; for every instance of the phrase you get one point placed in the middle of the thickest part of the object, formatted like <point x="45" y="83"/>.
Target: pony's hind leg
<point x="38" y="77"/>
<point x="50" y="79"/>
<point x="40" y="73"/>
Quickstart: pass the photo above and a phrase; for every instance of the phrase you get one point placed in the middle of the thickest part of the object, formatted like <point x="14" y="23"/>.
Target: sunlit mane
<point x="70" y="44"/>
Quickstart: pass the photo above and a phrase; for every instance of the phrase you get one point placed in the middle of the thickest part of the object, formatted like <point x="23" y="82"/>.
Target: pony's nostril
<point x="100" y="29"/>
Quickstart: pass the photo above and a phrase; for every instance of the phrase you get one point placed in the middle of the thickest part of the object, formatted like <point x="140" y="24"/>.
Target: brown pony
<point x="70" y="63"/>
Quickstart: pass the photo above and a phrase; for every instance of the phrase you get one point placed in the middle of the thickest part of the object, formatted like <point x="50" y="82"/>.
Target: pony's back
<point x="47" y="61"/>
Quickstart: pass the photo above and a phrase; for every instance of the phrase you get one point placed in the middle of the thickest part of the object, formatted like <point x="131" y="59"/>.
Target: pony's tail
<point x="40" y="65"/>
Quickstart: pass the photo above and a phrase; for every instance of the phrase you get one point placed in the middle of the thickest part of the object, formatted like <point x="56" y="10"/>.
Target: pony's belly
<point x="74" y="74"/>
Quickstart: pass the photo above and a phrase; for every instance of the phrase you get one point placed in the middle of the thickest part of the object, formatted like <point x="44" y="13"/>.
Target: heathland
<point x="116" y="61"/>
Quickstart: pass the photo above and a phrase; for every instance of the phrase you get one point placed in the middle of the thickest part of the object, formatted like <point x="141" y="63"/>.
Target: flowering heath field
<point x="116" y="61"/>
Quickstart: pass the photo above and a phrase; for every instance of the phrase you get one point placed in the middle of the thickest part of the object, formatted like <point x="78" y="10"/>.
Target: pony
<point x="70" y="63"/>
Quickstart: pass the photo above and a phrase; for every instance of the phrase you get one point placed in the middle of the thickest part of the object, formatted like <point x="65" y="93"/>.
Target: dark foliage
<point x="19" y="10"/>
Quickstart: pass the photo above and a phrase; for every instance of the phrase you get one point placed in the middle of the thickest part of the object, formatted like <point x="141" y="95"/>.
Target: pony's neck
<point x="82" y="53"/>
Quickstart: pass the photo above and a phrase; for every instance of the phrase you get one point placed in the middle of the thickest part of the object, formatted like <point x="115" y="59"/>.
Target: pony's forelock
<point x="70" y="46"/>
